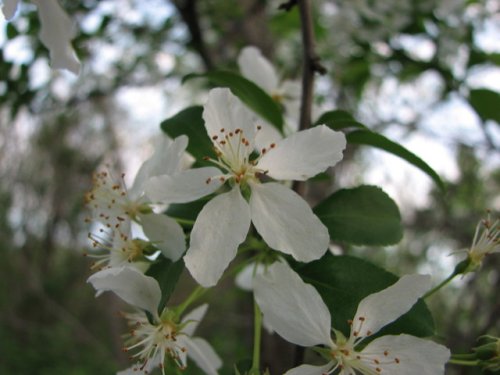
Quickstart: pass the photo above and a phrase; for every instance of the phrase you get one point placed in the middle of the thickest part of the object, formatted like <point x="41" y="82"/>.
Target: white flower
<point x="119" y="250"/>
<point x="56" y="32"/>
<point x="166" y="337"/>
<point x="9" y="8"/>
<point x="115" y="206"/>
<point x="282" y="217"/>
<point x="256" y="68"/>
<point x="487" y="242"/>
<point x="297" y="313"/>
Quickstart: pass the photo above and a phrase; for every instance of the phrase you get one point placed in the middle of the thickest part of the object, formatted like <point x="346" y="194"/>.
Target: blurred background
<point x="424" y="73"/>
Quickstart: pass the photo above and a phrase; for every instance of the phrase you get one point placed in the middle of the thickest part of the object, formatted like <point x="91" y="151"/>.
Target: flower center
<point x="156" y="341"/>
<point x="108" y="199"/>
<point x="234" y="151"/>
<point x="122" y="249"/>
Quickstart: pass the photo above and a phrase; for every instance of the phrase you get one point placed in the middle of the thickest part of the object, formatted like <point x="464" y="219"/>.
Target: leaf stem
<point x="197" y="293"/>
<point x="183" y="221"/>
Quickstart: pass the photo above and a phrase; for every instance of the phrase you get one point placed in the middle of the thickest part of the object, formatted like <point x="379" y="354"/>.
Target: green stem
<point x="183" y="221"/>
<point x="257" y="330"/>
<point x="463" y="362"/>
<point x="440" y="285"/>
<point x="197" y="293"/>
<point x="466" y="356"/>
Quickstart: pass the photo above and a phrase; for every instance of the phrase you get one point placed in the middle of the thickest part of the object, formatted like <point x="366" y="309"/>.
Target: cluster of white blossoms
<point x="244" y="185"/>
<point x="56" y="32"/>
<point x="159" y="338"/>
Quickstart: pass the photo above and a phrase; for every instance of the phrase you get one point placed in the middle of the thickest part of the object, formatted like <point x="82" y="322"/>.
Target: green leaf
<point x="338" y="120"/>
<point x="477" y="57"/>
<point x="187" y="211"/>
<point x="367" y="137"/>
<point x="248" y="92"/>
<point x="11" y="31"/>
<point x="167" y="274"/>
<point x="486" y="103"/>
<point x="190" y="122"/>
<point x="343" y="281"/>
<point x="361" y="216"/>
<point x="243" y="366"/>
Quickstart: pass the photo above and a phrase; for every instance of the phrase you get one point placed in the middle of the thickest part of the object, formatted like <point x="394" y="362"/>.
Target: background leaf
<point x="167" y="274"/>
<point x="367" y="137"/>
<point x="248" y="92"/>
<point x="187" y="211"/>
<point x="338" y="120"/>
<point x="361" y="216"/>
<point x="486" y="103"/>
<point x="343" y="281"/>
<point x="189" y="122"/>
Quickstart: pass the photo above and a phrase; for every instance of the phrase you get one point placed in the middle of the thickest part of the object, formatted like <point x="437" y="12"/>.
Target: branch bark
<point x="311" y="65"/>
<point x="189" y="14"/>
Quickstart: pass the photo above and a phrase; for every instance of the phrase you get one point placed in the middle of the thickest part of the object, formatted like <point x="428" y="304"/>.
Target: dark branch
<point x="189" y="14"/>
<point x="288" y="5"/>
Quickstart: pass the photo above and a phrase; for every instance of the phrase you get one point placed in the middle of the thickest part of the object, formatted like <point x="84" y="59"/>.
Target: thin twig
<point x="189" y="14"/>
<point x="311" y="65"/>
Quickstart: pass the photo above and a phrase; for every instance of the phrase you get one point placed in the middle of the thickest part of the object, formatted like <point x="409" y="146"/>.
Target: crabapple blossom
<point x="56" y="32"/>
<point x="163" y="337"/>
<point x="283" y="219"/>
<point x="486" y="241"/>
<point x="296" y="312"/>
<point x="115" y="206"/>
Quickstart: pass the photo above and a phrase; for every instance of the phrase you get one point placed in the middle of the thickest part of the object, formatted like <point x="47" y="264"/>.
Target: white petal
<point x="130" y="285"/>
<point x="165" y="160"/>
<point x="293" y="308"/>
<point x="184" y="186"/>
<point x="304" y="154"/>
<point x="194" y="318"/>
<point x="225" y="111"/>
<point x="256" y="68"/>
<point x="9" y="8"/>
<point x="310" y="370"/>
<point x="266" y="135"/>
<point x="202" y="353"/>
<point x="165" y="233"/>
<point x="244" y="279"/>
<point x="221" y="226"/>
<point x="56" y="32"/>
<point x="379" y="309"/>
<point x="416" y="356"/>
<point x="286" y="222"/>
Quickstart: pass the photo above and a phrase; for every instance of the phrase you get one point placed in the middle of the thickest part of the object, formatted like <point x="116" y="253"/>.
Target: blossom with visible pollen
<point x="153" y="342"/>
<point x="283" y="219"/>
<point x="296" y="312"/>
<point x="486" y="241"/>
<point x="118" y="250"/>
<point x="115" y="205"/>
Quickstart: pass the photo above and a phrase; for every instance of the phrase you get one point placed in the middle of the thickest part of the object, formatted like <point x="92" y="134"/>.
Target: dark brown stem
<point x="189" y="14"/>
<point x="311" y="65"/>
